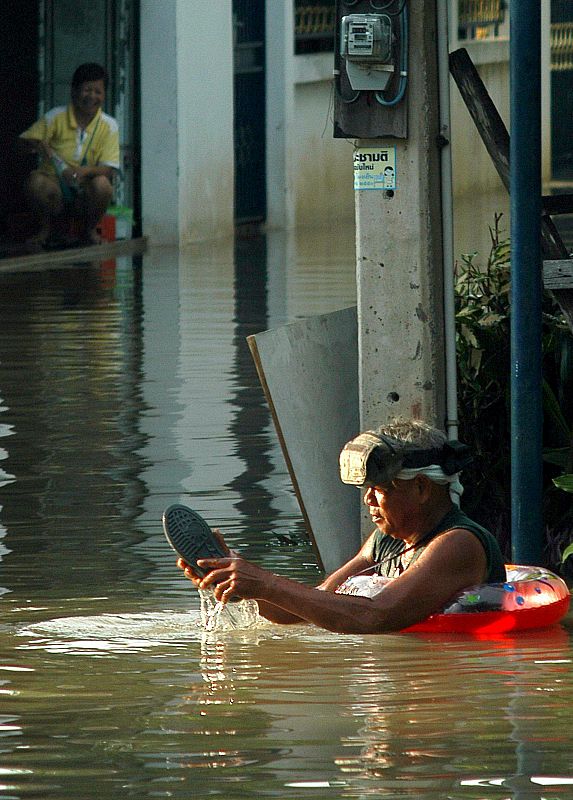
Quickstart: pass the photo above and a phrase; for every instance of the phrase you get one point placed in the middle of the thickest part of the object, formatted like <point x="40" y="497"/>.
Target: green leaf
<point x="492" y="319"/>
<point x="557" y="455"/>
<point x="466" y="312"/>
<point x="567" y="552"/>
<point x="469" y="336"/>
<point x="553" y="409"/>
<point x="564" y="482"/>
<point x="475" y="359"/>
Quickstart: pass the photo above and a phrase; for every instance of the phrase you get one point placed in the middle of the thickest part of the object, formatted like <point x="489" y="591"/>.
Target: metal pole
<point x="525" y="190"/>
<point x="447" y="222"/>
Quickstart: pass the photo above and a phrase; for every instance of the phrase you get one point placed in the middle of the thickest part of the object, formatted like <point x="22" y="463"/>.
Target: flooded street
<point x="125" y="387"/>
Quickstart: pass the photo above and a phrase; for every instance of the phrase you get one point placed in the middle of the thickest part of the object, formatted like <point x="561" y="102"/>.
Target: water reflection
<point x="70" y="356"/>
<point x="125" y="389"/>
<point x="250" y="426"/>
<point x="420" y="733"/>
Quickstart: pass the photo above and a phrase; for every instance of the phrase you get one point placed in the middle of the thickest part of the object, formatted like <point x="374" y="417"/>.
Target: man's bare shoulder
<point x="456" y="550"/>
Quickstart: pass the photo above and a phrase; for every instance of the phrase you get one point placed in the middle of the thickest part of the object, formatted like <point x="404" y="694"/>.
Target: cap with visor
<point x="374" y="459"/>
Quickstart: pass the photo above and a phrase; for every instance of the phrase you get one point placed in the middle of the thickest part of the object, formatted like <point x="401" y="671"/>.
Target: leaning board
<point x="309" y="373"/>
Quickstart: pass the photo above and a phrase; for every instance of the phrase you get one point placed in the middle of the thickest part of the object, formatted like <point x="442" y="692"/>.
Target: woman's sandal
<point x="190" y="536"/>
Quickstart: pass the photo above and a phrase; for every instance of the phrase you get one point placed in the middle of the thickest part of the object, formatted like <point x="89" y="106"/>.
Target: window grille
<point x="481" y="19"/>
<point x="314" y="27"/>
<point x="561" y="46"/>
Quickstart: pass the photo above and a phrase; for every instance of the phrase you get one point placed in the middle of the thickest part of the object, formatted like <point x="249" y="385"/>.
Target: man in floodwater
<point x="422" y="541"/>
<point x="78" y="146"/>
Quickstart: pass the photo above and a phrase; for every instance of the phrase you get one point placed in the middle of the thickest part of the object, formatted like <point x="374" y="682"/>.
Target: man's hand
<point x="71" y="176"/>
<point x="42" y="148"/>
<point x="232" y="577"/>
<point x="79" y="174"/>
<point x="188" y="570"/>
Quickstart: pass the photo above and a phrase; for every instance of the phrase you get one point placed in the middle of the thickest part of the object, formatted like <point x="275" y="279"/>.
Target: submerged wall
<point x="478" y="191"/>
<point x="187" y="158"/>
<point x="187" y="162"/>
<point x="309" y="173"/>
<point x="323" y="174"/>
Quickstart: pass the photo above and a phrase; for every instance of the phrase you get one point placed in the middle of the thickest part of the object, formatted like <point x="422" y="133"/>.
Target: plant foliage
<point x="483" y="310"/>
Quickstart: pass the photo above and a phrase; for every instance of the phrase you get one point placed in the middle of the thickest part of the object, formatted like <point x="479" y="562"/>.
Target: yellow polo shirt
<point x="99" y="142"/>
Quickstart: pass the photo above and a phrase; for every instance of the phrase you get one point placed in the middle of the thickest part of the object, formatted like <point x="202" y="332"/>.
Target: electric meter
<point x="366" y="44"/>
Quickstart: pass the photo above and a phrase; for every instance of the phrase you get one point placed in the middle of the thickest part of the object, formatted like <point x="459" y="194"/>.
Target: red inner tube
<point x="536" y="599"/>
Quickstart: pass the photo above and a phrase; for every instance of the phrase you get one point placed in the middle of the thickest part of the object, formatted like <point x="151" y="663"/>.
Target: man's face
<point x="89" y="97"/>
<point x="394" y="508"/>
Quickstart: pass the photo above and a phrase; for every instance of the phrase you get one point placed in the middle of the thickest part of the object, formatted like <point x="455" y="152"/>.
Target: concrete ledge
<point x="485" y="51"/>
<point x="313" y="67"/>
<point x="78" y="255"/>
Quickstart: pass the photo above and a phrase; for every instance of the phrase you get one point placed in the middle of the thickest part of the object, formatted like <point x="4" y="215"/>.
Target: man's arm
<point x="274" y="612"/>
<point x="86" y="173"/>
<point x="38" y="146"/>
<point x="361" y="562"/>
<point x="451" y="563"/>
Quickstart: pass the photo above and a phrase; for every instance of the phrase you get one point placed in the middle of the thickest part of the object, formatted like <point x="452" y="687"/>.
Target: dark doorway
<point x="35" y="75"/>
<point x="18" y="100"/>
<point x="249" y="125"/>
<point x="102" y="31"/>
<point x="561" y="89"/>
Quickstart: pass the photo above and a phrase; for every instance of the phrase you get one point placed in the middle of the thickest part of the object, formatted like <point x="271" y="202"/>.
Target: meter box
<point x="371" y="68"/>
<point x="366" y="44"/>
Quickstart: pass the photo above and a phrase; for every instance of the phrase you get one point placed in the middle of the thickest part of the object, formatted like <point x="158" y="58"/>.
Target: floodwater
<point x="126" y="387"/>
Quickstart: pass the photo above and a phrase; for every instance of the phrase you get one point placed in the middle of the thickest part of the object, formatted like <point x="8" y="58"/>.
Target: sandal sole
<point x="190" y="536"/>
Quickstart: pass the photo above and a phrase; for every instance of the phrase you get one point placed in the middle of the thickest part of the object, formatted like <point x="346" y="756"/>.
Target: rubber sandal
<point x="190" y="536"/>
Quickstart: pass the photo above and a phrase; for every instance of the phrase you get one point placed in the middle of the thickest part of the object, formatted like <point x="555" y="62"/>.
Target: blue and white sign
<point x="375" y="168"/>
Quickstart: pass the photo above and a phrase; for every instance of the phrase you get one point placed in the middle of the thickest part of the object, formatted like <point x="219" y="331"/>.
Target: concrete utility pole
<point x="399" y="255"/>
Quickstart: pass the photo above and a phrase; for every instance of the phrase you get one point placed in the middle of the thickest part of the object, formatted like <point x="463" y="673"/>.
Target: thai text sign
<point x="375" y="168"/>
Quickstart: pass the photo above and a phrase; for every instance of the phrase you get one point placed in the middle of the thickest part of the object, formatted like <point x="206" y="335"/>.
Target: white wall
<point x="323" y="181"/>
<point x="159" y="163"/>
<point x="205" y="119"/>
<point x="187" y="129"/>
<point x="309" y="173"/>
<point x="279" y="80"/>
<point x="478" y="191"/>
<point x="186" y="120"/>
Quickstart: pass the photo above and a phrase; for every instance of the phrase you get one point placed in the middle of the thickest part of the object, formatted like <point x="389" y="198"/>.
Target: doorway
<point x="42" y="42"/>
<point x="18" y="101"/>
<point x="561" y="90"/>
<point x="249" y="113"/>
<point x="77" y="31"/>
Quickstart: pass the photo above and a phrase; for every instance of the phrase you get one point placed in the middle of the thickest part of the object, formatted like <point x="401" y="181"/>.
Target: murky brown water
<point x="123" y="389"/>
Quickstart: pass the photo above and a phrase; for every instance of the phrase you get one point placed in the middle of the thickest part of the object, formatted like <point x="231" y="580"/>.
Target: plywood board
<point x="309" y="373"/>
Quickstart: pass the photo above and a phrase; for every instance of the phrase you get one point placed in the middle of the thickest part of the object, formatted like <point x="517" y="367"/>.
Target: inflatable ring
<point x="531" y="597"/>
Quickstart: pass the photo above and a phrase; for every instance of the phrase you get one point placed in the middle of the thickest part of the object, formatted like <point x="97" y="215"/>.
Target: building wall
<point x="309" y="173"/>
<point x="322" y="166"/>
<point x="159" y="123"/>
<point x="186" y="120"/>
<point x="205" y="120"/>
<point x="187" y="129"/>
<point x="478" y="193"/>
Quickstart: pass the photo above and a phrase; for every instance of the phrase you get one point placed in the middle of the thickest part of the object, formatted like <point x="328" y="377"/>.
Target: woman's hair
<point x="413" y="432"/>
<point x="88" y="72"/>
